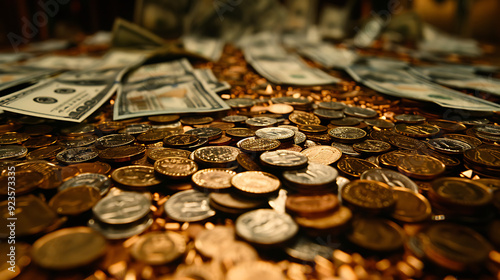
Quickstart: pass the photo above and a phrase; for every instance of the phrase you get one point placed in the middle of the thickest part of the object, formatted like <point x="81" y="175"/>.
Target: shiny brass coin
<point x="247" y="162"/>
<point x="447" y="126"/>
<point x="390" y="159"/>
<point x="323" y="139"/>
<point x="303" y="118"/>
<point x="114" y="140"/>
<point x="240" y="132"/>
<point x="483" y="157"/>
<point x="36" y="215"/>
<point x="216" y="156"/>
<point x="164" y="118"/>
<point x="312" y="206"/>
<point x="196" y="120"/>
<point x="359" y="112"/>
<point x="255" y="183"/>
<point x="40" y="141"/>
<point x="255" y="270"/>
<point x="48" y="152"/>
<point x="420" y="167"/>
<point x="449" y="162"/>
<point x="382" y="135"/>
<point x="368" y="196"/>
<point x="371" y="147"/>
<point x="382" y="124"/>
<point x="222" y="141"/>
<point x="417" y="130"/>
<point x="409" y="119"/>
<point x="376" y="235"/>
<point x="138" y="177"/>
<point x="12" y="152"/>
<point x="355" y="166"/>
<point x="153" y="135"/>
<point x="158" y="248"/>
<point x="74" y="201"/>
<point x="25" y="182"/>
<point x="347" y="134"/>
<point x="252" y="145"/>
<point x="333" y="223"/>
<point x="312" y="128"/>
<point x="322" y="154"/>
<point x="160" y="153"/>
<point x="8" y="138"/>
<point x="211" y="133"/>
<point x="94" y="167"/>
<point x="180" y="140"/>
<point x="410" y="207"/>
<point x="473" y="141"/>
<point x="122" y="154"/>
<point x="213" y="179"/>
<point x="211" y="242"/>
<point x="109" y="127"/>
<point x="52" y="250"/>
<point x="77" y="141"/>
<point x="175" y="167"/>
<point x="460" y="192"/>
<point x="79" y="129"/>
<point x="51" y="173"/>
<point x="407" y="143"/>
<point x="282" y="109"/>
<point x="221" y="125"/>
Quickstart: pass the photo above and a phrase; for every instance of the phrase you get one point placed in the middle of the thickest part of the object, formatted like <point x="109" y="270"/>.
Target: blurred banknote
<point x="328" y="55"/>
<point x="130" y="35"/>
<point x="209" y="48"/>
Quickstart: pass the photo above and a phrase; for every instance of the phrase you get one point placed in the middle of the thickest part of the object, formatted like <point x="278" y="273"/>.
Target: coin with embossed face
<point x="276" y="133"/>
<point x="123" y="208"/>
<point x="158" y="248"/>
<point x="77" y="141"/>
<point x="376" y="234"/>
<point x="371" y="147"/>
<point x="260" y="122"/>
<point x="460" y="192"/>
<point x="405" y="142"/>
<point x="410" y="119"/>
<point x="266" y="227"/>
<point x="207" y="132"/>
<point x="137" y="177"/>
<point x="247" y="162"/>
<point x="483" y="157"/>
<point x="196" y="120"/>
<point x="390" y="159"/>
<point x="180" y="140"/>
<point x="322" y="154"/>
<point x="188" y="206"/>
<point x="283" y="159"/>
<point x="12" y="152"/>
<point x="368" y="196"/>
<point x="347" y="134"/>
<point x="240" y="132"/>
<point x="420" y="167"/>
<point x="473" y="141"/>
<point x="448" y="146"/>
<point x="411" y="206"/>
<point x="175" y="167"/>
<point x="303" y="118"/>
<point x="216" y="156"/>
<point x="160" y="153"/>
<point x="74" y="201"/>
<point x="391" y="178"/>
<point x="8" y="138"/>
<point x="449" y="161"/>
<point x="315" y="178"/>
<point x="213" y="179"/>
<point x="98" y="181"/>
<point x="77" y="155"/>
<point x="122" y="154"/>
<point x="255" y="183"/>
<point x="114" y="140"/>
<point x="490" y="129"/>
<point x="359" y="112"/>
<point x="355" y="166"/>
<point x="255" y="145"/>
<point x="417" y="130"/>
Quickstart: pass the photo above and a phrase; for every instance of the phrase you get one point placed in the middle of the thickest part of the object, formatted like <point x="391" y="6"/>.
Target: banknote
<point x="458" y="77"/>
<point x="130" y="35"/>
<point x="11" y="76"/>
<point x="164" y="88"/>
<point x="62" y="62"/>
<point x="213" y="83"/>
<point x="209" y="48"/>
<point x="365" y="36"/>
<point x="328" y="55"/>
<point x="435" y="40"/>
<point x="8" y="57"/>
<point x="400" y="83"/>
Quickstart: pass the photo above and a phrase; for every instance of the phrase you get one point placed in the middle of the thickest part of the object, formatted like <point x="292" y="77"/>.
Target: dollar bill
<point x="62" y="62"/>
<point x="209" y="48"/>
<point x="367" y="35"/>
<point x="209" y="78"/>
<point x="130" y="35"/>
<point x="400" y="83"/>
<point x="328" y="55"/>
<point x="11" y="76"/>
<point x="434" y="40"/>
<point x="13" y="57"/>
<point x="165" y="88"/>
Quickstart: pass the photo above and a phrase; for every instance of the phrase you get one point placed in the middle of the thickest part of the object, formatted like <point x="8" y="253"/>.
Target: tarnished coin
<point x="327" y="114"/>
<point x="260" y="122"/>
<point x="40" y="141"/>
<point x="330" y="105"/>
<point x="114" y="140"/>
<point x="180" y="140"/>
<point x="164" y="118"/>
<point x="473" y="141"/>
<point x="77" y="141"/>
<point x="79" y="129"/>
<point x="211" y="242"/>
<point x="303" y="118"/>
<point x="276" y="133"/>
<point x="460" y="192"/>
<point x="355" y="167"/>
<point x="235" y="119"/>
<point x="213" y="179"/>
<point x="52" y="251"/>
<point x="368" y="196"/>
<point x="122" y="154"/>
<point x="188" y="206"/>
<point x="347" y="134"/>
<point x="48" y="152"/>
<point x="417" y="130"/>
<point x="240" y="132"/>
<point x="239" y="103"/>
<point x="77" y="155"/>
<point x="359" y="112"/>
<point x="160" y="153"/>
<point x="322" y="154"/>
<point x="376" y="234"/>
<point x="12" y="152"/>
<point x="175" y="167"/>
<point x="265" y="227"/>
<point x="383" y="124"/>
<point x="371" y="147"/>
<point x="135" y="129"/>
<point x="347" y="121"/>
<point x="123" y="208"/>
<point x="255" y="145"/>
<point x="216" y="156"/>
<point x="75" y="201"/>
<point x="158" y="248"/>
<point x="98" y="181"/>
<point x="447" y="126"/>
<point x="448" y="146"/>
<point x="391" y="178"/>
<point x="420" y="167"/>
<point x="137" y="177"/>
<point x="255" y="183"/>
<point x="94" y="167"/>
<point x="247" y="162"/>
<point x="25" y="181"/>
<point x="315" y="178"/>
<point x="409" y="119"/>
<point x="255" y="270"/>
<point x="283" y="159"/>
<point x="207" y="132"/>
<point x="312" y="206"/>
<point x="9" y="138"/>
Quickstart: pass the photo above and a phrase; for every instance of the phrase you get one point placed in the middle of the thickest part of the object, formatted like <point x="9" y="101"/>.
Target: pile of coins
<point x="336" y="180"/>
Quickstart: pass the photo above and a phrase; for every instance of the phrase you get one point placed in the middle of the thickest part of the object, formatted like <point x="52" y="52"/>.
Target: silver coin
<point x="365" y="113"/>
<point x="266" y="227"/>
<point x="330" y="105"/>
<point x="314" y="174"/>
<point x="391" y="178"/>
<point x="448" y="146"/>
<point x="489" y="129"/>
<point x="379" y="123"/>
<point x="261" y="122"/>
<point x="346" y="133"/>
<point x="114" y="140"/>
<point x="77" y="155"/>
<point x="234" y="119"/>
<point x="209" y="132"/>
<point x="275" y="133"/>
<point x="346" y="149"/>
<point x="475" y="121"/>
<point x="12" y="151"/>
<point x="299" y="138"/>
<point x="306" y="250"/>
<point x="188" y="206"/>
<point x="216" y="154"/>
<point x="240" y="102"/>
<point x="99" y="181"/>
<point x="328" y="114"/>
<point x="291" y="101"/>
<point x="252" y="144"/>
<point x="284" y="159"/>
<point x="136" y="128"/>
<point x="123" y="208"/>
<point x="406" y="118"/>
<point x="121" y="231"/>
<point x="85" y="140"/>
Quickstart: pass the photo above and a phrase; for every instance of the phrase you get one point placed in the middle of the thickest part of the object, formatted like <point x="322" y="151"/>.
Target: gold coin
<point x="175" y="167"/>
<point x="158" y="248"/>
<point x="410" y="207"/>
<point x="213" y="242"/>
<point x="447" y="126"/>
<point x="213" y="179"/>
<point x="40" y="141"/>
<point x="355" y="166"/>
<point x="417" y="130"/>
<point x="333" y="223"/>
<point x="312" y="206"/>
<point x="420" y="167"/>
<point x="25" y="181"/>
<point x="282" y="109"/>
<point x="369" y="196"/>
<point x="390" y="159"/>
<point x="51" y="173"/>
<point x="322" y="154"/>
<point x="255" y="270"/>
<point x="136" y="176"/>
<point x="484" y="157"/>
<point x="122" y="154"/>
<point x="74" y="201"/>
<point x="240" y="132"/>
<point x="460" y="192"/>
<point x="473" y="141"/>
<point x="309" y="128"/>
<point x="258" y="144"/>
<point x="376" y="235"/>
<point x="180" y="140"/>
<point x="48" y="152"/>
<point x="92" y="167"/>
<point x="164" y="118"/>
<point x="346" y="134"/>
<point x="303" y="118"/>
<point x="247" y="162"/>
<point x="8" y="138"/>
<point x="52" y="251"/>
<point x="255" y="183"/>
<point x="161" y="153"/>
<point x="371" y="147"/>
<point x="196" y="120"/>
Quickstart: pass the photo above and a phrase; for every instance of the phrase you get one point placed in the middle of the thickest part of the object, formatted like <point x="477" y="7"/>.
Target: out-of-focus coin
<point x="346" y="149"/>
<point x="161" y="153"/>
<point x="391" y="178"/>
<point x="164" y="118"/>
<point x="283" y="159"/>
<point x="368" y="196"/>
<point x="449" y="161"/>
<point x="306" y="250"/>
<point x="260" y="122"/>
<point x="255" y="183"/>
<point x="175" y="167"/>
<point x="98" y="181"/>
<point x="222" y="141"/>
<point x="420" y="167"/>
<point x="330" y="105"/>
<point x="355" y="166"/>
<point x="213" y="179"/>
<point x="255" y="270"/>
<point x="282" y="109"/>
<point x="234" y="204"/>
<point x="51" y="173"/>
<point x="347" y="121"/>
<point x="77" y="141"/>
<point x="221" y="125"/>
<point x="315" y="178"/>
<point x="77" y="155"/>
<point x="74" y="201"/>
<point x="235" y="119"/>
<point x="255" y="145"/>
<point x="417" y="130"/>
<point x="52" y="250"/>
<point x="48" y="152"/>
<point x="180" y="140"/>
<point x="322" y="154"/>
<point x="79" y="129"/>
<point x="383" y="124"/>
<point x="358" y="112"/>
<point x="247" y="162"/>
<point x="447" y="126"/>
<point x="9" y="138"/>
<point x="473" y="141"/>
<point x="299" y="138"/>
<point x="121" y="231"/>
<point x="109" y="127"/>
<point x="492" y="184"/>
<point x="333" y="223"/>
<point x="376" y="234"/>
<point x="371" y="147"/>
<point x="448" y="146"/>
<point x="483" y="157"/>
<point x="114" y="140"/>
<point x="409" y="119"/>
<point x="12" y="152"/>
<point x="25" y="181"/>
<point x="313" y="128"/>
<point x="322" y="139"/>
<point x="276" y="133"/>
<point x="196" y="120"/>
<point x="209" y="242"/>
<point x="188" y="206"/>
<point x="122" y="154"/>
<point x="123" y="208"/>
<point x="135" y="129"/>
<point x="303" y="118"/>
<point x="138" y="177"/>
<point x="207" y="132"/>
<point x="240" y="132"/>
<point x="312" y="206"/>
<point x="158" y="248"/>
<point x="154" y="135"/>
<point x="490" y="129"/>
<point x="347" y="134"/>
<point x="265" y="227"/>
<point x="327" y="114"/>
<point x="460" y="192"/>
<point x="216" y="156"/>
<point x="40" y="141"/>
<point x="94" y="167"/>
<point x="411" y="207"/>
